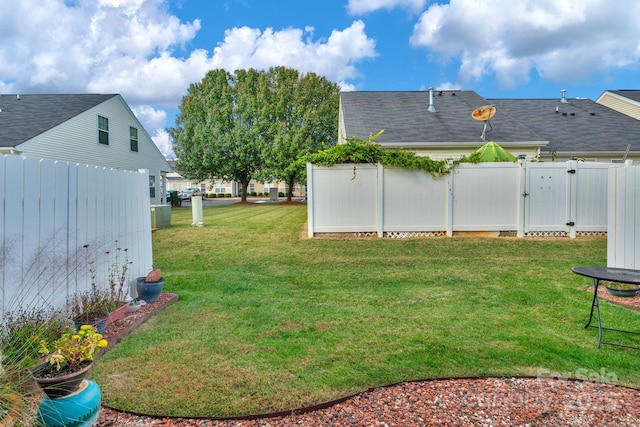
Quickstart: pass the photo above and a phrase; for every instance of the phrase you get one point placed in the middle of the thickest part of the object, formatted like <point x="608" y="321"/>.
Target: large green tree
<point x="223" y="126"/>
<point x="304" y="120"/>
<point x="254" y="124"/>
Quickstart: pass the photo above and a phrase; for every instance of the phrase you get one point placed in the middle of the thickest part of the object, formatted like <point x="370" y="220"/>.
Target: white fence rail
<point x="525" y="198"/>
<point x="59" y="219"/>
<point x="623" y="243"/>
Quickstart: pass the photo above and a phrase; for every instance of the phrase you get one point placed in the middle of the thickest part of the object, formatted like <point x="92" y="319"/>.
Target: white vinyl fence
<point x="528" y="199"/>
<point x="623" y="243"/>
<point x="58" y="221"/>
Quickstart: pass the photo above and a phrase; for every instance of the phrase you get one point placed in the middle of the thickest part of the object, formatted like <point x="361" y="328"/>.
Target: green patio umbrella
<point x="492" y="152"/>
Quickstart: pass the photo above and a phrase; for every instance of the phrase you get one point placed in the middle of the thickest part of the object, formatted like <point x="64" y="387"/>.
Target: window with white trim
<point x="133" y="139"/>
<point x="103" y="130"/>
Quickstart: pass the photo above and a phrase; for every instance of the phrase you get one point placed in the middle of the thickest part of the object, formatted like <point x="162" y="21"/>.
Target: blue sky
<point x="151" y="50"/>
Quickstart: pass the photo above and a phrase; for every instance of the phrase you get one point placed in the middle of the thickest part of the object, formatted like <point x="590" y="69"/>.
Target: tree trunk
<point x="291" y="184"/>
<point x="245" y="185"/>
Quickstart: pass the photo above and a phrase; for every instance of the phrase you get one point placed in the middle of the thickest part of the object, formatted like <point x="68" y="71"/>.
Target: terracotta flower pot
<point x="117" y="314"/>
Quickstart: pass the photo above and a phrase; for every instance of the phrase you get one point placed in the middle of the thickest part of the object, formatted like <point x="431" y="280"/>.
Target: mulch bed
<point x="116" y="331"/>
<point x="548" y="400"/>
<point x="632" y="303"/>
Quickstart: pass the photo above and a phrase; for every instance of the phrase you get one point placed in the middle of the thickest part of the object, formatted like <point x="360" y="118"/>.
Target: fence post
<point x="380" y="200"/>
<point x="572" y="199"/>
<point x="623" y="235"/>
<point x="310" y="225"/>
<point x="449" y="204"/>
<point x="522" y="199"/>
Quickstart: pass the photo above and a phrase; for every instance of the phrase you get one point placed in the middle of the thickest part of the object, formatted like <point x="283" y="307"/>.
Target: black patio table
<point x="611" y="274"/>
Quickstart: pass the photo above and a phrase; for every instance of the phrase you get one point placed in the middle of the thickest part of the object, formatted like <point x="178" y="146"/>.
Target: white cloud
<point x="334" y="58"/>
<point x="139" y="49"/>
<point x="448" y="86"/>
<point x="360" y="7"/>
<point x="162" y="141"/>
<point x="130" y="47"/>
<point x="563" y="40"/>
<point x="150" y="118"/>
<point x="78" y="45"/>
<point x="153" y="122"/>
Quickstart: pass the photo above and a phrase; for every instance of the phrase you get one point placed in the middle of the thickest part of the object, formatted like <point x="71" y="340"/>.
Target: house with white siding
<point x="624" y="101"/>
<point x="94" y="129"/>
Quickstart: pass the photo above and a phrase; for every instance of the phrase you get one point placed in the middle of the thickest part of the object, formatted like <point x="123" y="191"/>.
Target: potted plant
<point x="150" y="287"/>
<point x="91" y="307"/>
<point x="622" y="290"/>
<point x="69" y="399"/>
<point x="69" y="359"/>
<point x="20" y="334"/>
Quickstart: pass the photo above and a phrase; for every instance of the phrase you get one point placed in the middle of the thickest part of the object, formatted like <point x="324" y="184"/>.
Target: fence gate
<point x="564" y="198"/>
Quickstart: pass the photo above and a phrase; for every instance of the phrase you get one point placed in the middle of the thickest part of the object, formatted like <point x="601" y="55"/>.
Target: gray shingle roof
<point x="30" y="115"/>
<point x="405" y="118"/>
<point x="581" y="125"/>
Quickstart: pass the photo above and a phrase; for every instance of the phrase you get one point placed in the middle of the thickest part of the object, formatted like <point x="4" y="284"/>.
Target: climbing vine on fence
<point x="356" y="150"/>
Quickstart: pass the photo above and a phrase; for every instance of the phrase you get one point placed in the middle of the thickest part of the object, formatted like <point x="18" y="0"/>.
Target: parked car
<point x="187" y="193"/>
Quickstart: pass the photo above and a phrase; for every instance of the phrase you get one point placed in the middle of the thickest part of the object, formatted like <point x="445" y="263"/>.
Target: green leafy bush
<point x="356" y="150"/>
<point x="174" y="198"/>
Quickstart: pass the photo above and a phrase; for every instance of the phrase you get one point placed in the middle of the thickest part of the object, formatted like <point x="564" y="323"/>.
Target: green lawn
<point x="271" y="320"/>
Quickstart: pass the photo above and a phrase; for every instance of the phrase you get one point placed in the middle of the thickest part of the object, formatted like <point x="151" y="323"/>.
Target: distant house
<point x="625" y="101"/>
<point x="439" y="124"/>
<point x="176" y="182"/>
<point x="81" y="128"/>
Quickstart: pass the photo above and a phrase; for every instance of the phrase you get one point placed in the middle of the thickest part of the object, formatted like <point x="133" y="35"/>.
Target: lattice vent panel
<point x="413" y="234"/>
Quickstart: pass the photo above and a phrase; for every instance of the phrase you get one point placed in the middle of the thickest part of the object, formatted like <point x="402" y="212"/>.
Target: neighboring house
<point x="81" y="128"/>
<point x="177" y="182"/>
<point x="439" y="124"/>
<point x="625" y="101"/>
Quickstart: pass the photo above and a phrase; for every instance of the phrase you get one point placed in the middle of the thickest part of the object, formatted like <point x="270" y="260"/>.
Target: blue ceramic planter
<point x="80" y="408"/>
<point x="149" y="291"/>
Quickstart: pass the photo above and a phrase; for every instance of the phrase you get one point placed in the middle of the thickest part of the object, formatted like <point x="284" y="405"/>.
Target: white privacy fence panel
<point x="413" y="201"/>
<point x="486" y="197"/>
<point x="58" y="220"/>
<point x="623" y="243"/>
<point x="345" y="198"/>
<point x="526" y="198"/>
<point x="591" y="196"/>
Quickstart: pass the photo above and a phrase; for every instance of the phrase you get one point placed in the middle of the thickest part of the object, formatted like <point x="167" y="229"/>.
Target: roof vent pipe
<point x="432" y="108"/>
<point x="564" y="96"/>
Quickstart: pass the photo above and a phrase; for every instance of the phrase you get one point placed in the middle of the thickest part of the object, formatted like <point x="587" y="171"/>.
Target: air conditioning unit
<point x="160" y="216"/>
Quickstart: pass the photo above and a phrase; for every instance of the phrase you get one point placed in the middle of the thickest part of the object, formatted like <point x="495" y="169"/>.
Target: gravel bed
<point x="552" y="401"/>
